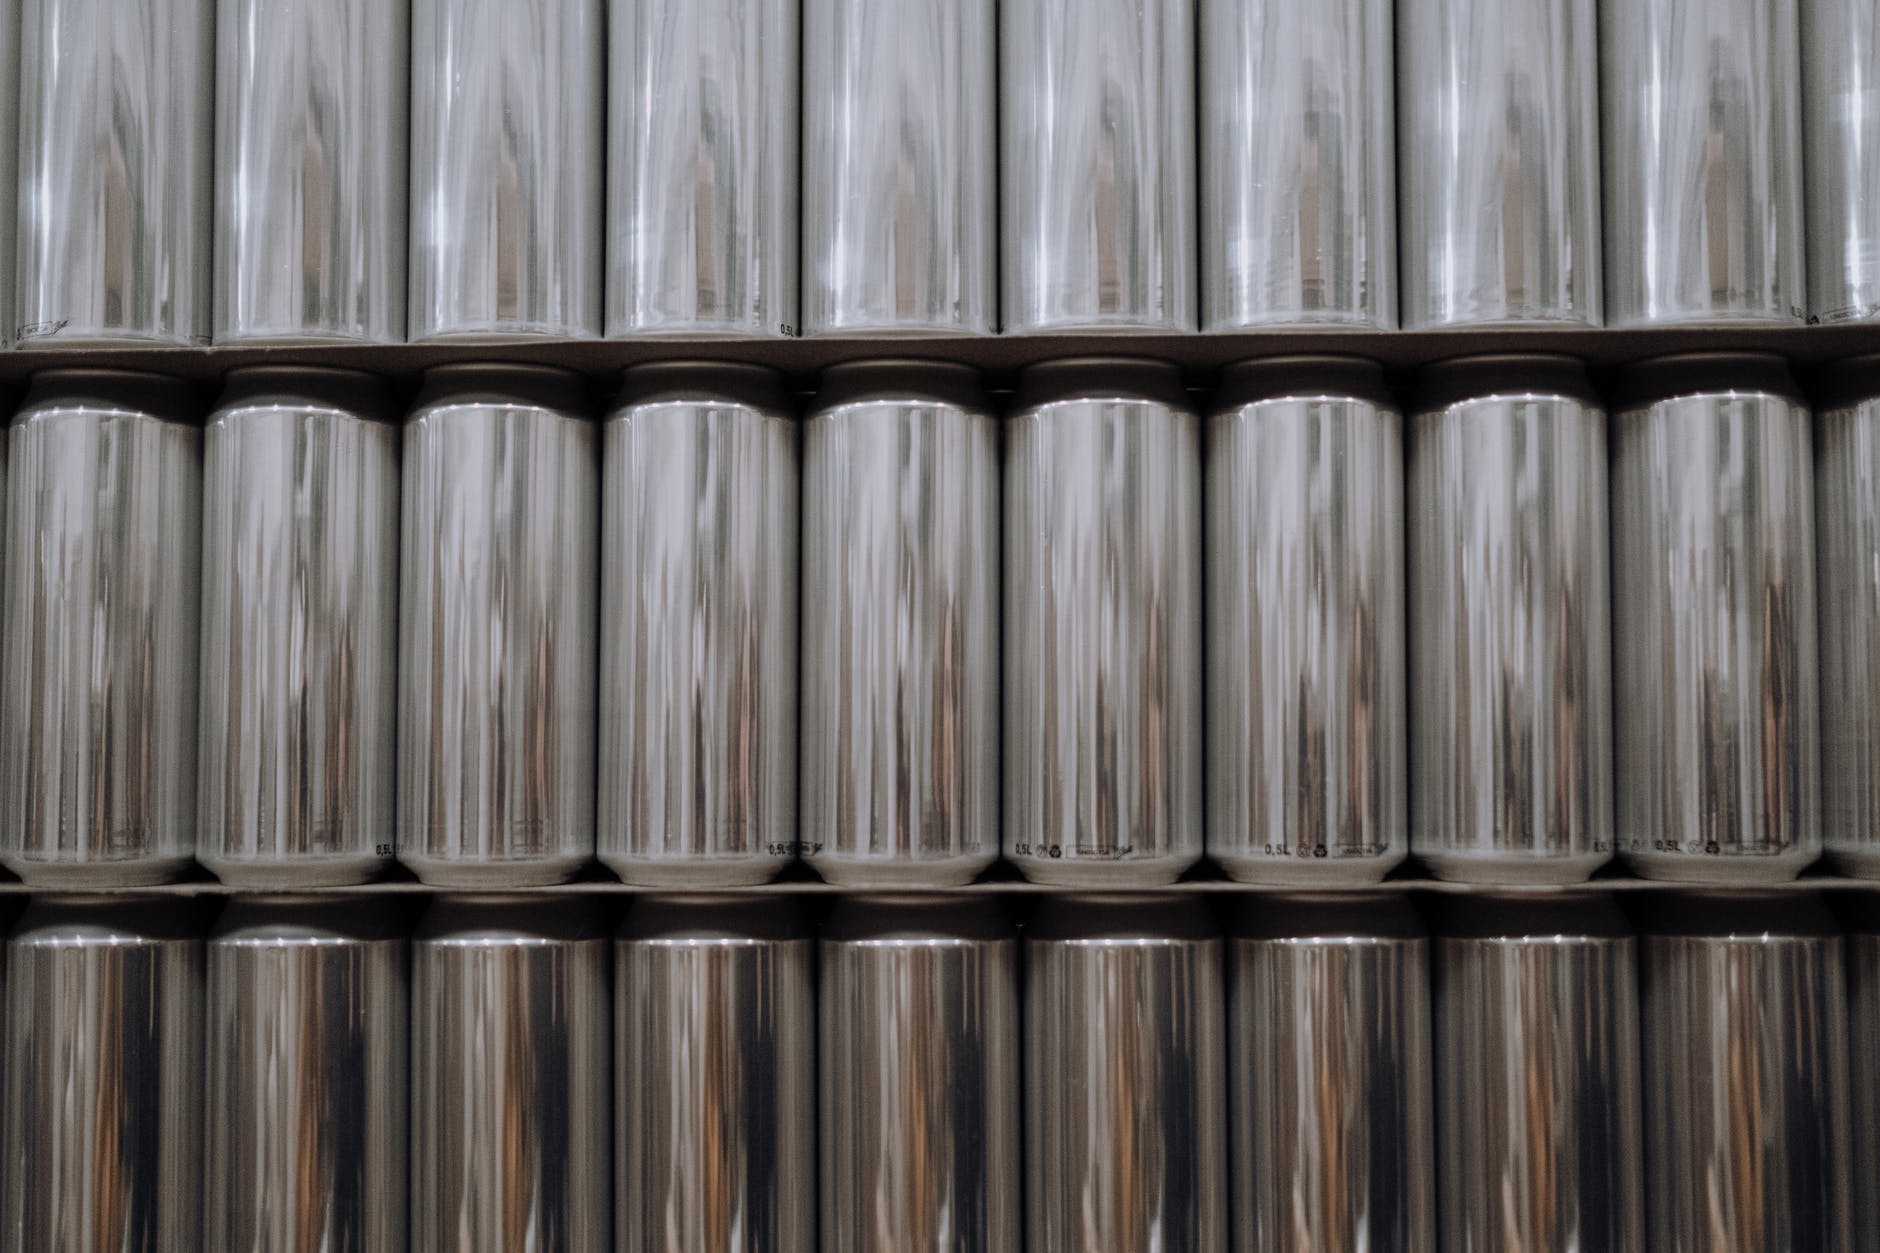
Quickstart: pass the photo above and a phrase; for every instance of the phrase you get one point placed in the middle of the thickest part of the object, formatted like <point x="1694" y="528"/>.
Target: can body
<point x="1510" y="689"/>
<point x="506" y="114"/>
<point x="497" y="628"/>
<point x="1304" y="498"/>
<point x="1863" y="1010"/>
<point x="306" y="1078"/>
<point x="1714" y="611"/>
<point x="99" y="735"/>
<point x="9" y="160"/>
<point x="900" y="734"/>
<point x="299" y="629"/>
<point x="1840" y="119"/>
<point x="1102" y="638"/>
<point x="714" y="1003"/>
<point x="1097" y="165"/>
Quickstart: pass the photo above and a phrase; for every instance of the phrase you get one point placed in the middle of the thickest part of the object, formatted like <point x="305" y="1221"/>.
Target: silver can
<point x="1298" y="178"/>
<point x="1329" y="1075"/>
<point x="1537" y="1076"/>
<point x="1097" y="165"/>
<point x="1745" y="1045"/>
<point x="510" y="1071"/>
<point x="305" y="1097"/>
<point x="714" y="1079"/>
<point x="506" y="109"/>
<point x="1863" y="1011"/>
<point x="699" y="594"/>
<point x="103" y="1103"/>
<point x="310" y="171"/>
<point x="299" y="629"/>
<point x="1713" y="559"/>
<point x="9" y="163"/>
<point x="702" y="178"/>
<point x="1305" y="630"/>
<point x="98" y="741"/>
<point x="1841" y="122"/>
<point x="497" y="626"/>
<point x="1703" y="158"/>
<point x="116" y="114"/>
<point x="1511" y="671"/>
<point x="899" y="167"/>
<point x="900" y="736"/>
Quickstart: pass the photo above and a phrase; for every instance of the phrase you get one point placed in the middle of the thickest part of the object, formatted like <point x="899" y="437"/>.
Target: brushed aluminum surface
<point x="1863" y="1057"/>
<point x="1841" y="124"/>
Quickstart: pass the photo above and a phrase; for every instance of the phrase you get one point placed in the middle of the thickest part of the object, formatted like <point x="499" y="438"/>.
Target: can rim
<point x="357" y="393"/>
<point x="900" y="380"/>
<point x="132" y="917"/>
<point x="460" y="917"/>
<point x="1490" y="375"/>
<point x="889" y="917"/>
<point x="1096" y="377"/>
<point x="1328" y="916"/>
<point x="523" y="384"/>
<point x="1848" y="382"/>
<point x="1567" y="916"/>
<point x="162" y="396"/>
<point x="1736" y="915"/>
<point x="1298" y="376"/>
<point x="1147" y="916"/>
<point x="757" y="387"/>
<point x="1653" y="379"/>
<point x="711" y="916"/>
<point x="316" y="916"/>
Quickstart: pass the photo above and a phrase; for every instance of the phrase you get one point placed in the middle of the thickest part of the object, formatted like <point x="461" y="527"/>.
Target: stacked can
<point x="9" y="161"/>
<point x="1841" y="116"/>
<point x="1863" y="1057"/>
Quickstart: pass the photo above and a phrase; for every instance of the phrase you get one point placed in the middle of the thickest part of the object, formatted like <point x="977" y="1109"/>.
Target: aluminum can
<point x="702" y="177"/>
<point x="1097" y="165"/>
<point x="497" y="625"/>
<point x="714" y="1079"/>
<point x="1537" y="1075"/>
<point x="1329" y="1075"/>
<point x="900" y="736"/>
<point x="510" y="1066"/>
<point x="1703" y="151"/>
<point x="1102" y="636"/>
<point x="506" y="110"/>
<point x="1713" y="560"/>
<point x="1840" y="122"/>
<point x="306" y="1077"/>
<point x="1863" y="1011"/>
<point x="98" y="739"/>
<point x="1511" y="739"/>
<point x="299" y="628"/>
<point x="899" y="167"/>
<point x="9" y="162"/>
<point x="1298" y="156"/>
<point x="103" y="1132"/>
<point x="1305" y="630"/>
<point x="699" y="594"/>
<point x="1745" y="1045"/>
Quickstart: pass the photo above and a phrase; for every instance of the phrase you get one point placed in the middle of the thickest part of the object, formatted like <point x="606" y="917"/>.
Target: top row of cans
<point x="631" y="167"/>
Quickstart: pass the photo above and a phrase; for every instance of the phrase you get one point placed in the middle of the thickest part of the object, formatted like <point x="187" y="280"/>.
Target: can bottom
<point x="98" y="874"/>
<point x="296" y="872"/>
<point x="300" y="337"/>
<point x="883" y="872"/>
<point x="1550" y="319"/>
<point x="68" y="338"/>
<point x="1301" y="872"/>
<point x="1721" y="868"/>
<point x="1512" y="868"/>
<point x="494" y="875"/>
<point x="501" y="333"/>
<point x="1135" y="873"/>
<point x="702" y="872"/>
<point x="678" y="332"/>
<point x="1119" y="326"/>
<point x="1709" y="320"/>
<point x="1330" y="321"/>
<point x="897" y="330"/>
<point x="1860" y="861"/>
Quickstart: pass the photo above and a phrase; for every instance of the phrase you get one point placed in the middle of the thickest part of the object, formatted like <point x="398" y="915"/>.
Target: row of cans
<point x="1134" y="164"/>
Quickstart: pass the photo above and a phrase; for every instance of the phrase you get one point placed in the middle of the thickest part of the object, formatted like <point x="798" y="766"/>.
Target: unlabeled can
<point x="9" y="163"/>
<point x="900" y="737"/>
<point x="103" y="1077"/>
<point x="1703" y="157"/>
<point x="715" y="1076"/>
<point x="1745" y="1046"/>
<point x="1328" y="1067"/>
<point x="299" y="628"/>
<point x="1305" y="630"/>
<point x="497" y="628"/>
<point x="1713" y="558"/>
<point x="506" y="114"/>
<point x="702" y="177"/>
<point x="699" y="597"/>
<point x="510" y="1071"/>
<point x="305" y="1093"/>
<point x="98" y="741"/>
<point x="1863" y="1055"/>
<point x="1510" y="676"/>
<point x="1097" y="165"/>
<point x="1841" y="124"/>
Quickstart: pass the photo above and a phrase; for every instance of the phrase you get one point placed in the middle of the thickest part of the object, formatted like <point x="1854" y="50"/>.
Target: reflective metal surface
<point x="1840" y="120"/>
<point x="900" y="734"/>
<point x="1863" y="1054"/>
<point x="9" y="162"/>
<point x="1305" y="630"/>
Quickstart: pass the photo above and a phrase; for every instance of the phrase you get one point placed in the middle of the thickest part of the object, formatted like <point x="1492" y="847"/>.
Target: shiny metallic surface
<point x="9" y="163"/>
<point x="899" y="173"/>
<point x="702" y="178"/>
<point x="715" y="1077"/>
<point x="699" y="597"/>
<point x="920" y="1077"/>
<point x="1863" y="1055"/>
<point x="1102" y="609"/>
<point x="1305" y="630"/>
<point x="1713" y="559"/>
<point x="1537" y="1076"/>
<point x="305" y="1096"/>
<point x="1298" y="165"/>
<point x="506" y="115"/>
<point x="900" y="733"/>
<point x="497" y="627"/>
<point x="1703" y="152"/>
<point x="1097" y="165"/>
<point x="299" y="628"/>
<point x="1841" y="124"/>
<point x="1510" y="676"/>
<point x="1498" y="107"/>
<point x="98" y="737"/>
<point x="1328" y="1066"/>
